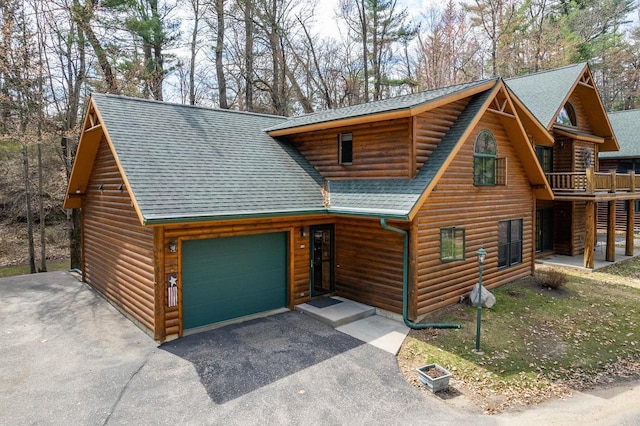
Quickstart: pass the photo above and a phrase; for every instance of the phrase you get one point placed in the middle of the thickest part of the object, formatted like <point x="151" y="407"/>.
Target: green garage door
<point x="225" y="278"/>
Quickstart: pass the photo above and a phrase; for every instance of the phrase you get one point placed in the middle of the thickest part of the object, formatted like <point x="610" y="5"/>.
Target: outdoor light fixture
<point x="173" y="246"/>
<point x="482" y="255"/>
<point x="303" y="231"/>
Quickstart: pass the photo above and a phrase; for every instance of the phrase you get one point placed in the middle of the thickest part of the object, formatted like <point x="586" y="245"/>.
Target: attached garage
<point x="226" y="278"/>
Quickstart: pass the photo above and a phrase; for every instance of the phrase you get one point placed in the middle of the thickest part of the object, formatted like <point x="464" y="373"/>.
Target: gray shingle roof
<point x="369" y="108"/>
<point x="187" y="162"/>
<point x="543" y="93"/>
<point x="399" y="196"/>
<point x="626" y="126"/>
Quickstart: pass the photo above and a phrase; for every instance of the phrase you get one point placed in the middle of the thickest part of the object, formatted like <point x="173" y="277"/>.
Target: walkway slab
<point x="381" y="332"/>
<point x="338" y="314"/>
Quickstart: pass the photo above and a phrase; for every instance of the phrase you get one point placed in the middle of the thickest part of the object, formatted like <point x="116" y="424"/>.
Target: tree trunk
<point x="43" y="239"/>
<point x="27" y="194"/>
<point x="248" y="54"/>
<point x="222" y="80"/>
<point x="365" y="59"/>
<point x="83" y="20"/>
<point x="194" y="44"/>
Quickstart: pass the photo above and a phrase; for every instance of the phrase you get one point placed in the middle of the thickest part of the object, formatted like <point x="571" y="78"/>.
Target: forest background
<point x="283" y="57"/>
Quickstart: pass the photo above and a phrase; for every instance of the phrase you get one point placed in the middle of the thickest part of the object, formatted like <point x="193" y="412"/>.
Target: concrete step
<point x="337" y="311"/>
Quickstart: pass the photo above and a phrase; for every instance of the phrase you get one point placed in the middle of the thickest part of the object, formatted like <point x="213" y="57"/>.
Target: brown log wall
<point x="369" y="263"/>
<point x="381" y="150"/>
<point x="118" y="250"/>
<point x="581" y="114"/>
<point x="457" y="202"/>
<point x="431" y="127"/>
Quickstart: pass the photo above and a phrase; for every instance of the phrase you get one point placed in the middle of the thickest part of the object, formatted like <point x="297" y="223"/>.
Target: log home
<point x="566" y="103"/>
<point x="195" y="216"/>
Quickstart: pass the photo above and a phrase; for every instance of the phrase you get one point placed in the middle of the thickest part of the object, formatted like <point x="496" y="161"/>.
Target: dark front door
<point x="544" y="229"/>
<point x="322" y="278"/>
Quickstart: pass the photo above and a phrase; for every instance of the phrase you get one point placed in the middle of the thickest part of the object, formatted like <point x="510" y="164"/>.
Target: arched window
<point x="484" y="159"/>
<point x="567" y="116"/>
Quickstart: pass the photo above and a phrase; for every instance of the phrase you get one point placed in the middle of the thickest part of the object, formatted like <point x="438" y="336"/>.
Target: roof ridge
<point x="408" y="95"/>
<point x="175" y="104"/>
<point x="547" y="71"/>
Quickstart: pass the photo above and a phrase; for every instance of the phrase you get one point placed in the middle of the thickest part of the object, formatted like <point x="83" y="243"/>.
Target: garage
<point x="226" y="278"/>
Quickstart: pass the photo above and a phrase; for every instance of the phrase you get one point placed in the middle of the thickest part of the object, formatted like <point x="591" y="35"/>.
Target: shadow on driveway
<point x="240" y="358"/>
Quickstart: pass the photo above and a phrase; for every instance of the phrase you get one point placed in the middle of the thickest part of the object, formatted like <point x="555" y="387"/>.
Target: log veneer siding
<point x="381" y="150"/>
<point x="369" y="263"/>
<point x="431" y="127"/>
<point x="118" y="256"/>
<point x="457" y="202"/>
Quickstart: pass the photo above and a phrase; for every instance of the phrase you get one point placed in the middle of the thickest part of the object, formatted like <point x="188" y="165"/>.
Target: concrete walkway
<point x="380" y="329"/>
<point x="600" y="262"/>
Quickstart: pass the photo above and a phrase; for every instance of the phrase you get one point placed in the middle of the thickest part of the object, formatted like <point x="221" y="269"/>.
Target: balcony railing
<point x="590" y="182"/>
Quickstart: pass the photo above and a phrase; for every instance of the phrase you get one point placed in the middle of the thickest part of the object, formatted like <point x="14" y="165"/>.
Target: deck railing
<point x="590" y="182"/>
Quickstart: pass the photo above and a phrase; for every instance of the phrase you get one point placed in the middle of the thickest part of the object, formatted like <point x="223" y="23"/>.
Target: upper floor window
<point x="567" y="116"/>
<point x="484" y="159"/>
<point x="345" y="148"/>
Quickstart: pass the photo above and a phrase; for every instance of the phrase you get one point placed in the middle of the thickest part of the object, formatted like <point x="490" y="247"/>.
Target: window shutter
<point x="501" y="171"/>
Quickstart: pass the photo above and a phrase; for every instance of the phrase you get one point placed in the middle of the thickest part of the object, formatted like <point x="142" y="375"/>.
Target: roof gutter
<point x="405" y="282"/>
<point x="231" y="216"/>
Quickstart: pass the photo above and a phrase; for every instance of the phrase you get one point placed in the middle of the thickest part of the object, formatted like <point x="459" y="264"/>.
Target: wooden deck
<point x="589" y="185"/>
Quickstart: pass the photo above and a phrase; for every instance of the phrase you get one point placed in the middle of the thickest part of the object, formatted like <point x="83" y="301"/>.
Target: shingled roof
<point x="397" y="103"/>
<point x="191" y="163"/>
<point x="544" y="93"/>
<point x="626" y="125"/>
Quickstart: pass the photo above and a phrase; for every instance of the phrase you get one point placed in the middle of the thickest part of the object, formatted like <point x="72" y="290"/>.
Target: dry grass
<point x="537" y="343"/>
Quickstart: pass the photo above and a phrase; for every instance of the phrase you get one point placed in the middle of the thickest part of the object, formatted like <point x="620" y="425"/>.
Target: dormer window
<point x="567" y="116"/>
<point x="485" y="154"/>
<point x="345" y="149"/>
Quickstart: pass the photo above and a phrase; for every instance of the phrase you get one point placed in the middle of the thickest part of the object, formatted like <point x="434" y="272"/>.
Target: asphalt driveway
<point x="68" y="357"/>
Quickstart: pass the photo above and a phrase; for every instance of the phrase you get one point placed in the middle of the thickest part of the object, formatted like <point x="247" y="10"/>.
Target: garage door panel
<point x="225" y="278"/>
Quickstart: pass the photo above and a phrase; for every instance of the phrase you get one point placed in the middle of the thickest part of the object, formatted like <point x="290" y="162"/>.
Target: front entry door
<point x="322" y="275"/>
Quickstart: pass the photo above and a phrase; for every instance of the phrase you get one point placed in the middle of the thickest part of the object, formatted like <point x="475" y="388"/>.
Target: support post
<point x="632" y="181"/>
<point x="610" y="255"/>
<point x="589" y="237"/>
<point x="591" y="181"/>
<point x="614" y="186"/>
<point x="631" y="216"/>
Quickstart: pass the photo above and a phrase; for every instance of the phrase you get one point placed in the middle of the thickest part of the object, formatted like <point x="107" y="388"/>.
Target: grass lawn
<point x="10" y="271"/>
<point x="537" y="343"/>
